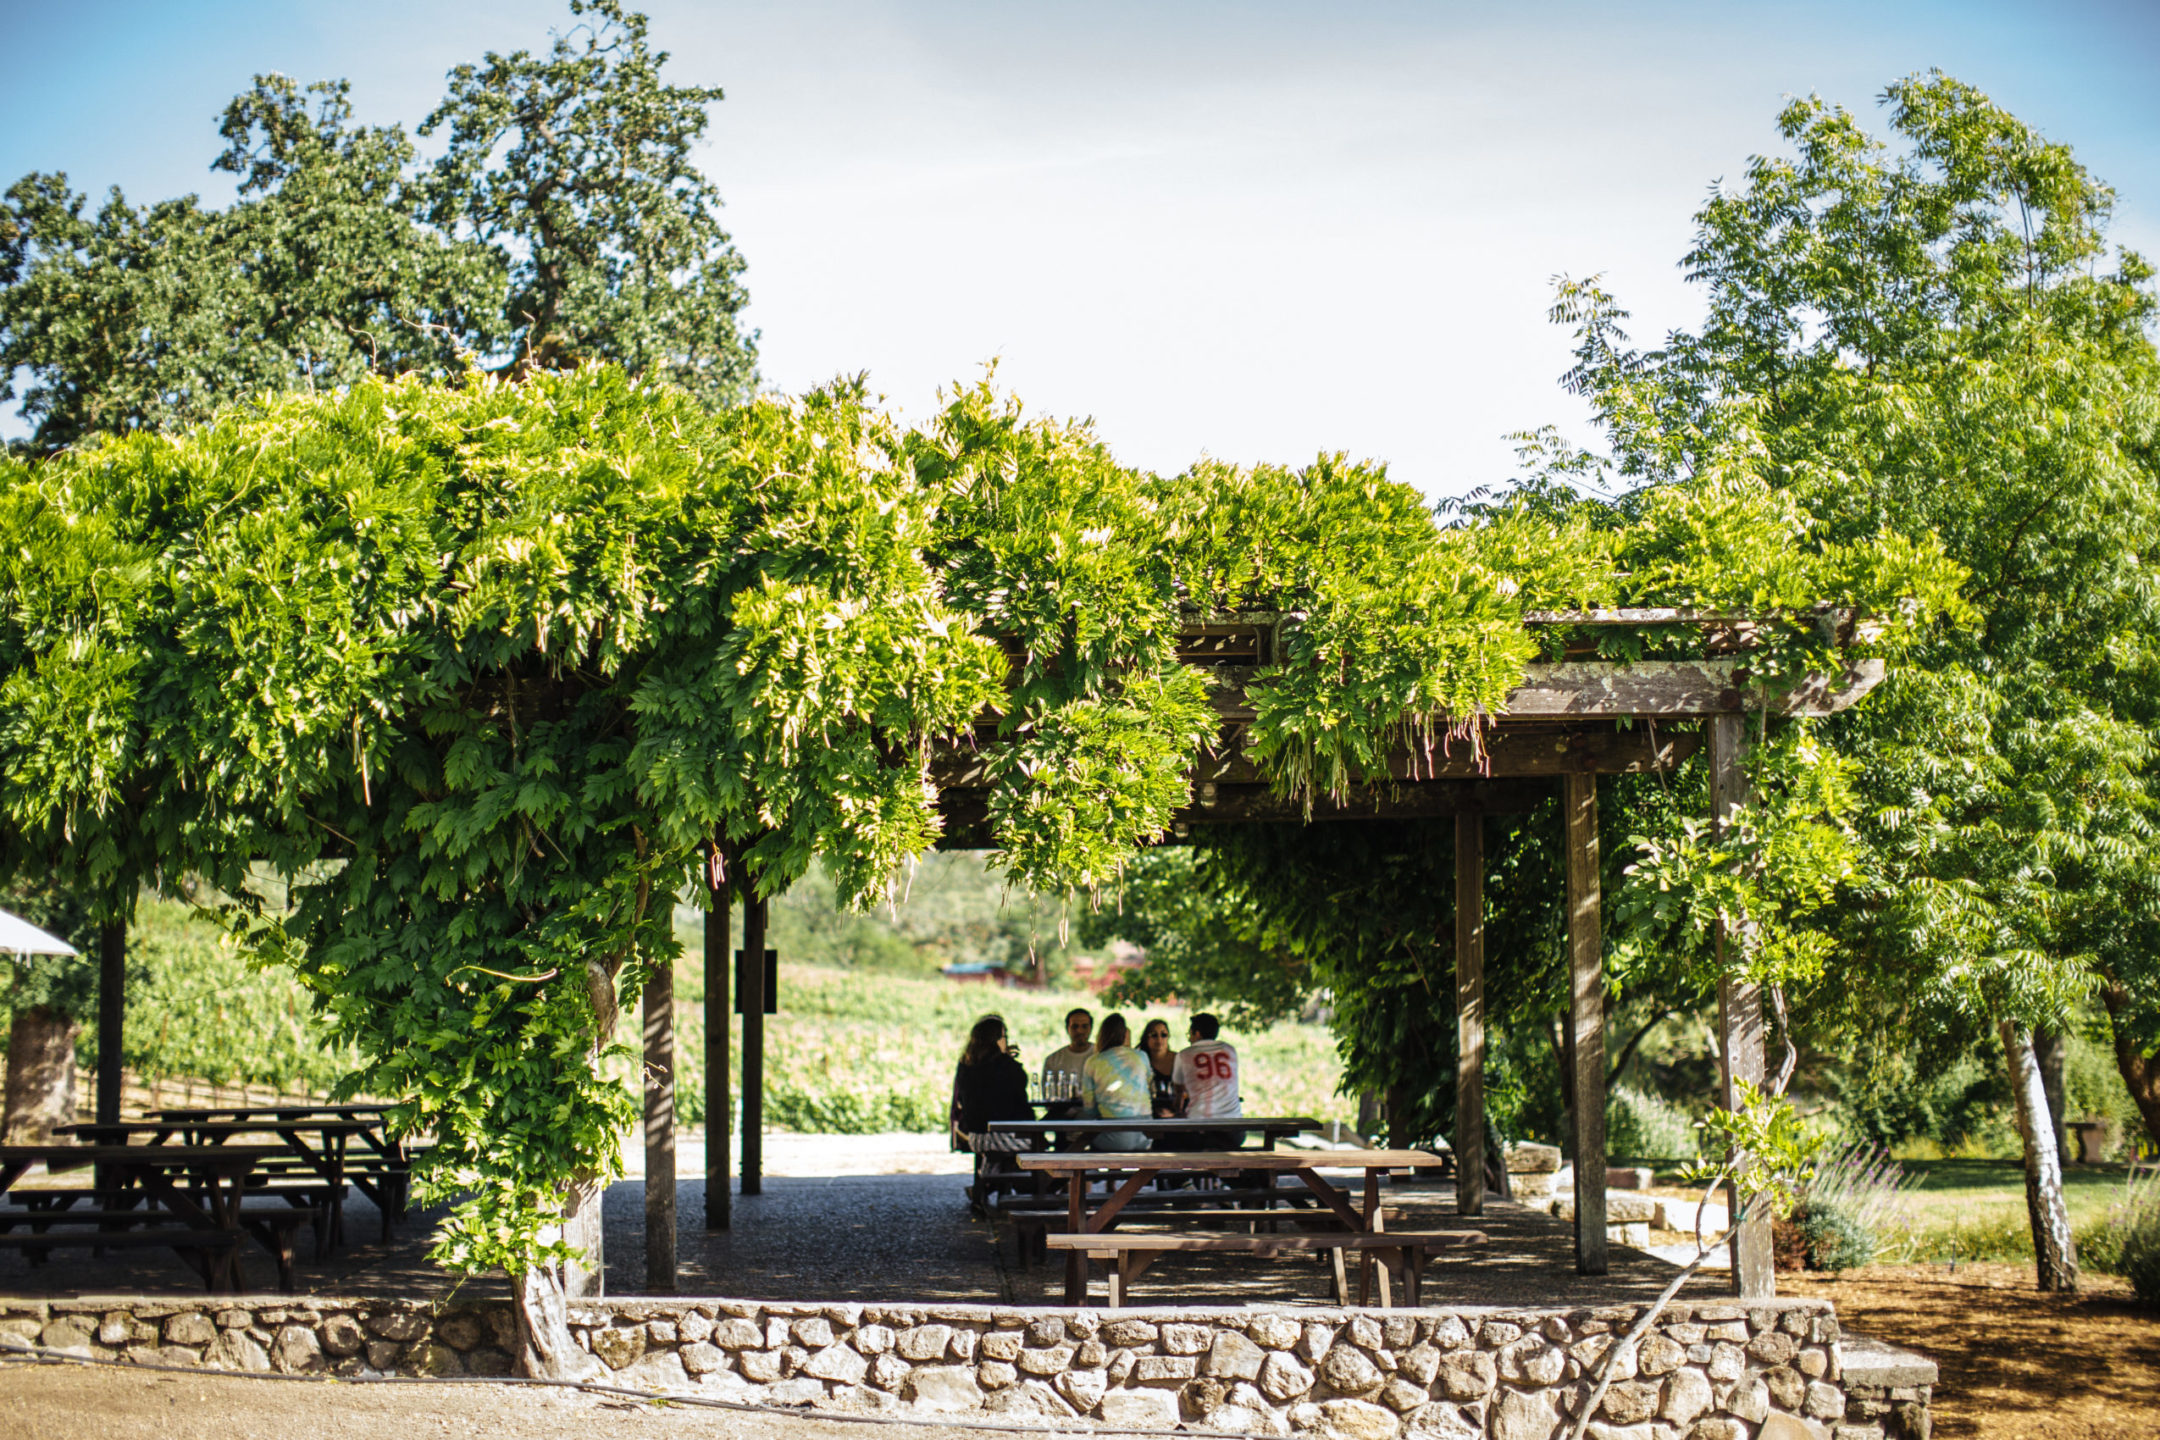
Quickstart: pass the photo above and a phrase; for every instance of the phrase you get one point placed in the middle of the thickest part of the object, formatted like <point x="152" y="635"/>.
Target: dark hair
<point x="1147" y="1029"/>
<point x="1206" y="1026"/>
<point x="1113" y="1025"/>
<point x="982" y="1040"/>
<point x="1079" y="1010"/>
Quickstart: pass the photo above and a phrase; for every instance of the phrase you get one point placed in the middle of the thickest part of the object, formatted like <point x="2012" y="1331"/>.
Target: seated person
<point x="1062" y="1067"/>
<point x="1206" y="1079"/>
<point x="1162" y="1062"/>
<point x="990" y="1084"/>
<point x="1114" y="1086"/>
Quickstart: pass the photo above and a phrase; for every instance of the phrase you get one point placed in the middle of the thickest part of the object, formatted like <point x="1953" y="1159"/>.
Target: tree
<point x="565" y="222"/>
<point x="48" y="995"/>
<point x="576" y="168"/>
<point x="1927" y="345"/>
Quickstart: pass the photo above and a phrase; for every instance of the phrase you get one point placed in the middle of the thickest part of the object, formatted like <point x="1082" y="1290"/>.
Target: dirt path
<point x="67" y="1402"/>
<point x="2016" y="1364"/>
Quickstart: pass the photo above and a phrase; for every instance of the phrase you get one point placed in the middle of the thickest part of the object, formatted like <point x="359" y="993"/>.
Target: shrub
<point x="2128" y="1243"/>
<point x="1831" y="1236"/>
<point x="1641" y="1126"/>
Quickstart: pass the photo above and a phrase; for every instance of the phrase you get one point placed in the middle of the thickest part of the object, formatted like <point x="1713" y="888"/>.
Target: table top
<point x="215" y="1127"/>
<point x="269" y="1112"/>
<point x="1084" y="1160"/>
<point x="1285" y="1124"/>
<point x="171" y="1157"/>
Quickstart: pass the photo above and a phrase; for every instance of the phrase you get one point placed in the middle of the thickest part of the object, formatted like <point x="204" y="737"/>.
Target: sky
<point x="1255" y="231"/>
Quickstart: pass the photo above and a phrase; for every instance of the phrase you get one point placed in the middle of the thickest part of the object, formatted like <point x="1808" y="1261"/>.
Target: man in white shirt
<point x="1071" y="1059"/>
<point x="1205" y="1078"/>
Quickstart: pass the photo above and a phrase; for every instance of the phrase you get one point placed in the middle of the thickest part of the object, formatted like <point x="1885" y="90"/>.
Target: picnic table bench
<point x="185" y="1198"/>
<point x="1089" y="1233"/>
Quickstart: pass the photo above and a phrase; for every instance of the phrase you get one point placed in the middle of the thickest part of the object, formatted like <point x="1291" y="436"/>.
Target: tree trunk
<point x="546" y="1350"/>
<point x="2140" y="1072"/>
<point x="2054" y="1251"/>
<point x="2051" y="1051"/>
<point x="40" y="1076"/>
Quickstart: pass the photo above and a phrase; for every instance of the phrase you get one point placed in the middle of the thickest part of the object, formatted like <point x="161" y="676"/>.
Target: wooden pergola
<point x="1563" y="726"/>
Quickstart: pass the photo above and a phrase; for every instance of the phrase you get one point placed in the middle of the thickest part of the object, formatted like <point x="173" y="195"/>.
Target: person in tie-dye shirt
<point x="1114" y="1085"/>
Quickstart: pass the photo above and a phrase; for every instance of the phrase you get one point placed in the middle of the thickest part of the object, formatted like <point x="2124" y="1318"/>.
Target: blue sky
<point x="1257" y="231"/>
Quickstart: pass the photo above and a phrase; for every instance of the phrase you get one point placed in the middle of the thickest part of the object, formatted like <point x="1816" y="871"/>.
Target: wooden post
<point x="1470" y="1014"/>
<point x="660" y="1132"/>
<point x="753" y="1044"/>
<point x="719" y="1132"/>
<point x="112" y="1017"/>
<point x="1740" y="1012"/>
<point x="1586" y="973"/>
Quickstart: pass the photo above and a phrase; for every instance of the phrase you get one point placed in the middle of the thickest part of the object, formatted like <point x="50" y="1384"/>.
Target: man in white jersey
<point x="1205" y="1080"/>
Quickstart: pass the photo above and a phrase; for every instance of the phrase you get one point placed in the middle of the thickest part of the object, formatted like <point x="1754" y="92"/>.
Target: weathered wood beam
<point x="1510" y="752"/>
<point x="1678" y="688"/>
<point x="753" y="1042"/>
<point x="719" y="1211"/>
<point x="1586" y="977"/>
<point x="660" y="1132"/>
<point x="967" y="814"/>
<point x="1599" y="689"/>
<point x="1470" y="1014"/>
<point x="1740" y="1012"/>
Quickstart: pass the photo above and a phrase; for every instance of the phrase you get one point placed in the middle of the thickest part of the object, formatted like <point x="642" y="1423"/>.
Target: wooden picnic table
<point x="1145" y="1165"/>
<point x="211" y="1202"/>
<point x="327" y="1157"/>
<point x="1269" y="1127"/>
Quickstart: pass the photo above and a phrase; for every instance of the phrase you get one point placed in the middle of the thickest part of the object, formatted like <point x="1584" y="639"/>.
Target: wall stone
<point x="1706" y="1371"/>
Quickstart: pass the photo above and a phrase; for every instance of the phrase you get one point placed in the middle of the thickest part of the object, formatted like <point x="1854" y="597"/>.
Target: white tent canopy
<point x="20" y="937"/>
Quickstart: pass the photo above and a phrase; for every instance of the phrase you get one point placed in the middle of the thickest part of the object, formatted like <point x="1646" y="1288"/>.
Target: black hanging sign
<point x="772" y="982"/>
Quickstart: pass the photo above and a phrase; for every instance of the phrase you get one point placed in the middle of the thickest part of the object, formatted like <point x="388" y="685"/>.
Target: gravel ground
<point x="68" y="1402"/>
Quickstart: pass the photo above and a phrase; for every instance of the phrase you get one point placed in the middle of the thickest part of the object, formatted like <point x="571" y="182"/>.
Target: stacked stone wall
<point x="1706" y="1371"/>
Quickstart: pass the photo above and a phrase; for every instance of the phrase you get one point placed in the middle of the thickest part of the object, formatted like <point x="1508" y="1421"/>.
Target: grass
<point x="1969" y="1210"/>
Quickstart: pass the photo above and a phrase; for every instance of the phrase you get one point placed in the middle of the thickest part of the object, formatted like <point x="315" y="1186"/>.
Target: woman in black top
<point x="990" y="1085"/>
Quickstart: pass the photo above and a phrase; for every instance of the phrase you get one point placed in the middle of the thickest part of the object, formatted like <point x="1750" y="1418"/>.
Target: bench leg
<point x="1342" y="1279"/>
<point x="1115" y="1271"/>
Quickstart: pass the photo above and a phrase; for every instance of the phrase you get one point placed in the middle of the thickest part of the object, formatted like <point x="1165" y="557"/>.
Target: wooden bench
<point x="38" y="1232"/>
<point x="1127" y="1256"/>
<point x="1031" y="1223"/>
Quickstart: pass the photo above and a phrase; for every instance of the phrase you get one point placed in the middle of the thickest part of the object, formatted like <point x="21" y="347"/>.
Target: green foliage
<point x="1831" y="1237"/>
<point x="1762" y="1147"/>
<point x="493" y="671"/>
<point x="1641" y="1126"/>
<point x="563" y="222"/>
<point x="2128" y="1242"/>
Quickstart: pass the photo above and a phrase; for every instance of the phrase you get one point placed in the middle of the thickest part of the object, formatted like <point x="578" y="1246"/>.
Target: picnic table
<point x="1270" y="1128"/>
<point x="1088" y="1228"/>
<point x="326" y="1158"/>
<point x="208" y="1207"/>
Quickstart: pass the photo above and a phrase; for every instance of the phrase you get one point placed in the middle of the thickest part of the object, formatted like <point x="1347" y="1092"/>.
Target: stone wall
<point x="1708" y="1371"/>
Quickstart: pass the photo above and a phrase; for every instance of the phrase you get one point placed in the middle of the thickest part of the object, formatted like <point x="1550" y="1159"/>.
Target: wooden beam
<point x="1673" y="689"/>
<point x="1740" y="1011"/>
<point x="966" y="810"/>
<point x="1508" y="752"/>
<point x="111" y="1017"/>
<point x="1586" y="974"/>
<point x="660" y="1132"/>
<point x="1470" y="1014"/>
<point x="719" y="1206"/>
<point x="1603" y="689"/>
<point x="753" y="1043"/>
